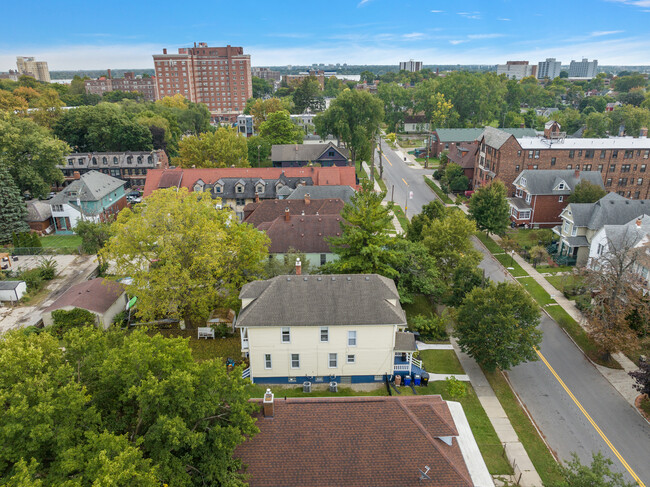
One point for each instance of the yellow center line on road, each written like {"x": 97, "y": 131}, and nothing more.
{"x": 593, "y": 423}
{"x": 405, "y": 181}
{"x": 388, "y": 160}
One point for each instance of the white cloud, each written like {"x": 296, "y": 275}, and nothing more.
{"x": 504, "y": 20}
{"x": 470, "y": 15}
{"x": 600, "y": 33}
{"x": 636, "y": 3}
{"x": 363, "y": 2}
{"x": 455, "y": 42}
{"x": 413, "y": 35}
{"x": 484, "y": 36}
{"x": 437, "y": 11}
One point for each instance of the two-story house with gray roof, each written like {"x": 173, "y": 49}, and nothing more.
{"x": 298, "y": 155}
{"x": 581, "y": 221}
{"x": 540, "y": 196}
{"x": 92, "y": 196}
{"x": 322, "y": 328}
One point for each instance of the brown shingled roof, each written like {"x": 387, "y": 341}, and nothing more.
{"x": 356, "y": 442}
{"x": 96, "y": 295}
{"x": 269, "y": 210}
{"x": 304, "y": 233}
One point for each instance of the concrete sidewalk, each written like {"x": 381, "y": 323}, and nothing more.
{"x": 620, "y": 379}
{"x": 515, "y": 452}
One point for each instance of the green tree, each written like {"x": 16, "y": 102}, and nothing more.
{"x": 626, "y": 83}
{"x": 354, "y": 118}
{"x": 223, "y": 148}
{"x": 397, "y": 102}
{"x": 537, "y": 254}
{"x": 416, "y": 270}
{"x": 497, "y": 326}
{"x": 455, "y": 177}
{"x": 259, "y": 150}
{"x": 367, "y": 76}
{"x": 64, "y": 320}
{"x": 308, "y": 95}
{"x": 13, "y": 212}
{"x": 629, "y": 117}
{"x": 466, "y": 276}
{"x": 279, "y": 129}
{"x": 185, "y": 258}
{"x": 286, "y": 264}
{"x": 94, "y": 235}
{"x": 261, "y": 87}
{"x": 597, "y": 125}
{"x": 31, "y": 154}
{"x": 431, "y": 211}
{"x": 48, "y": 108}
{"x": 490, "y": 209}
{"x": 431, "y": 327}
{"x": 586, "y": 192}
{"x": 364, "y": 244}
{"x": 261, "y": 109}
{"x": 598, "y": 474}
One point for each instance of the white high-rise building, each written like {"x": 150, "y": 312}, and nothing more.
{"x": 516, "y": 69}
{"x": 412, "y": 66}
{"x": 583, "y": 69}
{"x": 36, "y": 69}
{"x": 549, "y": 69}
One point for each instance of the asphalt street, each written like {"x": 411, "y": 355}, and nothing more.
{"x": 562, "y": 422}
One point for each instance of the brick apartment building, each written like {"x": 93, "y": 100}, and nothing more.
{"x": 106, "y": 84}
{"x": 622, "y": 161}
{"x": 131, "y": 167}
{"x": 296, "y": 79}
{"x": 219, "y": 77}
{"x": 449, "y": 139}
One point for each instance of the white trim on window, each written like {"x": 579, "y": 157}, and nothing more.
{"x": 268, "y": 364}
{"x": 351, "y": 358}
{"x": 285, "y": 333}
{"x": 295, "y": 360}
{"x": 352, "y": 338}
{"x": 332, "y": 361}
{"x": 324, "y": 333}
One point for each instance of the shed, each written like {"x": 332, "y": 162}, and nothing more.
{"x": 12, "y": 291}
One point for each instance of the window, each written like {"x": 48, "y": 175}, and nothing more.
{"x": 330, "y": 153}
{"x": 333, "y": 361}
{"x": 323, "y": 259}
{"x": 589, "y": 154}
{"x": 642, "y": 168}
{"x": 569, "y": 166}
{"x": 517, "y": 168}
{"x": 560, "y": 199}
{"x": 566, "y": 227}
{"x": 587, "y": 167}
{"x": 600, "y": 249}
{"x": 530, "y": 154}
{"x": 259, "y": 189}
{"x": 612, "y": 168}
{"x": 267, "y": 361}
{"x": 352, "y": 339}
{"x": 524, "y": 215}
{"x": 139, "y": 159}
{"x": 528, "y": 197}
{"x": 295, "y": 360}
{"x": 537, "y": 154}
{"x": 625, "y": 168}
{"x": 572, "y": 153}
{"x": 608, "y": 182}
{"x": 603, "y": 153}
{"x": 518, "y": 152}
{"x": 553, "y": 159}
{"x": 580, "y": 153}
{"x": 286, "y": 335}
{"x": 217, "y": 189}
{"x": 240, "y": 201}
{"x": 614, "y": 154}
{"x": 574, "y": 231}
{"x": 622, "y": 182}
{"x": 561, "y": 186}
{"x": 534, "y": 166}
{"x": 637, "y": 194}
{"x": 639, "y": 181}
{"x": 324, "y": 334}
{"x": 629, "y": 154}
{"x": 351, "y": 359}
{"x": 94, "y": 159}
{"x": 646, "y": 153}
{"x": 70, "y": 162}
{"x": 239, "y": 188}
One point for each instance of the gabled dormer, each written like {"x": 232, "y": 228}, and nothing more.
{"x": 198, "y": 186}
{"x": 218, "y": 186}
{"x": 260, "y": 186}
{"x": 240, "y": 186}
{"x": 562, "y": 186}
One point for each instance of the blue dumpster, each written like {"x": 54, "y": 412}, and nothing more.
{"x": 407, "y": 380}
{"x": 416, "y": 380}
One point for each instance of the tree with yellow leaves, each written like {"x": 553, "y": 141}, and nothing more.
{"x": 176, "y": 101}
{"x": 184, "y": 257}
{"x": 222, "y": 148}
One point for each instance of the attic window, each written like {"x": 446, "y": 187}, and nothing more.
{"x": 217, "y": 189}
{"x": 523, "y": 181}
{"x": 240, "y": 188}
{"x": 259, "y": 188}
{"x": 560, "y": 186}
{"x": 330, "y": 153}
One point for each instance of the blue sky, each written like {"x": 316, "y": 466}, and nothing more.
{"x": 78, "y": 34}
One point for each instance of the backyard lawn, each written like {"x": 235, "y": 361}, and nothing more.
{"x": 210, "y": 348}
{"x": 441, "y": 362}
{"x": 489, "y": 243}
{"x": 419, "y": 306}
{"x": 61, "y": 241}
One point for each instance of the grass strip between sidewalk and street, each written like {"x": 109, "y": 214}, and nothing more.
{"x": 538, "y": 293}
{"x": 439, "y": 192}
{"x": 489, "y": 243}
{"x": 511, "y": 264}
{"x": 539, "y": 454}
{"x": 401, "y": 217}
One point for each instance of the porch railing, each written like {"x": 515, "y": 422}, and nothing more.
{"x": 417, "y": 363}
{"x": 246, "y": 373}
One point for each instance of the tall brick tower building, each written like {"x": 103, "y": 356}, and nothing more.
{"x": 219, "y": 77}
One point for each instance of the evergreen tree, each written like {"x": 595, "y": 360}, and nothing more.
{"x": 13, "y": 211}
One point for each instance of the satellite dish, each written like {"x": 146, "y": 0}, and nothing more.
{"x": 423, "y": 475}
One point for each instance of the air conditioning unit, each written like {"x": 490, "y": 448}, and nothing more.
{"x": 306, "y": 387}
{"x": 334, "y": 387}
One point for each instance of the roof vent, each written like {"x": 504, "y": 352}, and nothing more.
{"x": 319, "y": 278}
{"x": 288, "y": 278}
{"x": 333, "y": 278}
{"x": 349, "y": 278}
{"x": 367, "y": 278}
{"x": 304, "y": 278}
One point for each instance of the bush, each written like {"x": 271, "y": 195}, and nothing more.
{"x": 437, "y": 174}
{"x": 65, "y": 320}
{"x": 33, "y": 279}
{"x": 120, "y": 318}
{"x": 430, "y": 327}
{"x": 47, "y": 268}
{"x": 583, "y": 302}
{"x": 445, "y": 187}
{"x": 455, "y": 388}
{"x": 458, "y": 184}
{"x": 573, "y": 288}
{"x": 222, "y": 331}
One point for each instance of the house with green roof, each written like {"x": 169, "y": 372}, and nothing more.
{"x": 448, "y": 139}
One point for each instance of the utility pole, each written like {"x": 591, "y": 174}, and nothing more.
{"x": 381, "y": 159}
{"x": 426, "y": 161}
{"x": 372, "y": 168}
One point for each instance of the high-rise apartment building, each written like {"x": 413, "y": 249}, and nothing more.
{"x": 411, "y": 66}
{"x": 219, "y": 77}
{"x": 106, "y": 84}
{"x": 35, "y": 69}
{"x": 583, "y": 69}
{"x": 516, "y": 69}
{"x": 549, "y": 69}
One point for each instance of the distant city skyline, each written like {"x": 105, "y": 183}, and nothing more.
{"x": 75, "y": 35}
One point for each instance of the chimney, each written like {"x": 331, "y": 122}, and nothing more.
{"x": 298, "y": 267}
{"x": 77, "y": 175}
{"x": 307, "y": 198}
{"x": 643, "y": 132}
{"x": 638, "y": 222}
{"x": 257, "y": 197}
{"x": 165, "y": 51}
{"x": 268, "y": 404}
{"x": 576, "y": 173}
{"x": 522, "y": 125}
{"x": 287, "y": 215}
{"x": 530, "y": 166}
{"x": 108, "y": 75}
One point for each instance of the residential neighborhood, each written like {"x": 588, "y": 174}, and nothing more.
{"x": 408, "y": 248}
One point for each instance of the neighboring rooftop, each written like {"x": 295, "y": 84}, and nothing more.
{"x": 187, "y": 178}
{"x": 468, "y": 135}
{"x": 91, "y": 186}
{"x": 621, "y": 143}
{"x": 356, "y": 442}
{"x": 96, "y": 295}
{"x": 9, "y": 285}
{"x": 630, "y": 234}
{"x": 611, "y": 209}
{"x": 358, "y": 299}
{"x": 38, "y": 211}
{"x": 304, "y": 233}
{"x": 344, "y": 193}
{"x": 269, "y": 210}
{"x": 304, "y": 152}
{"x": 547, "y": 181}
{"x": 464, "y": 155}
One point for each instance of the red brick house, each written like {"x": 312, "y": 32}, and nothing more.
{"x": 449, "y": 139}
{"x": 361, "y": 441}
{"x": 540, "y": 196}
{"x": 464, "y": 155}
{"x": 621, "y": 161}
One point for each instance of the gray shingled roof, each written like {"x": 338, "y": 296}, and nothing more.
{"x": 495, "y": 137}
{"x": 323, "y": 193}
{"x": 468, "y": 135}
{"x": 38, "y": 211}
{"x": 304, "y": 152}
{"x": 322, "y": 300}
{"x": 628, "y": 235}
{"x": 229, "y": 185}
{"x": 611, "y": 209}
{"x": 543, "y": 182}
{"x": 91, "y": 186}
{"x": 405, "y": 342}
